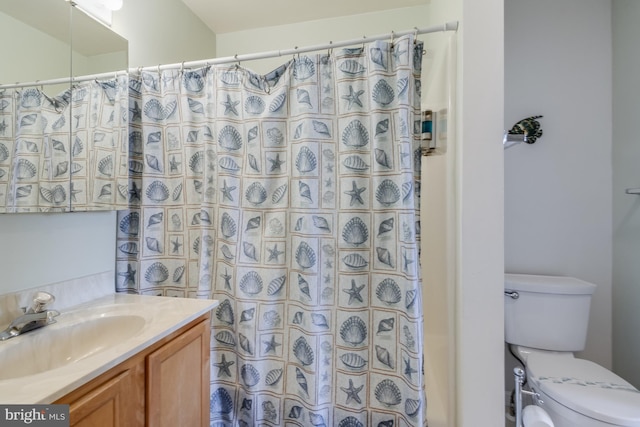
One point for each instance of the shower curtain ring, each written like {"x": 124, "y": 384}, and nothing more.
{"x": 238, "y": 61}
{"x": 330, "y": 50}
{"x": 393, "y": 36}
{"x": 415, "y": 35}
{"x": 364, "y": 40}
{"x": 158, "y": 69}
{"x": 182, "y": 67}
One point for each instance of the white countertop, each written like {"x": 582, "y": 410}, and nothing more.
{"x": 133, "y": 322}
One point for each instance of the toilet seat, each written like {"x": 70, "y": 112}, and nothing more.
{"x": 586, "y": 388}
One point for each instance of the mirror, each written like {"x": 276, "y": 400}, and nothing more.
{"x": 39, "y": 169}
{"x": 43, "y": 29}
{"x": 96, "y": 49}
{"x": 60, "y": 36}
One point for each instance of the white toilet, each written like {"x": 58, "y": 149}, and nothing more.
{"x": 546, "y": 320}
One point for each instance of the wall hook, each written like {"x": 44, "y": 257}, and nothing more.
{"x": 529, "y": 127}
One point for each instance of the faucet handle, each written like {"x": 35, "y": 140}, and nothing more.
{"x": 51, "y": 315}
{"x": 40, "y": 300}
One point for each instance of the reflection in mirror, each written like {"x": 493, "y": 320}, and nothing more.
{"x": 99, "y": 154}
{"x": 96, "y": 49}
{"x": 48, "y": 35}
{"x": 40, "y": 133}
{"x": 40, "y": 31}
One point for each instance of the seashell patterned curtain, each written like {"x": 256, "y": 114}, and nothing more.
{"x": 64, "y": 153}
{"x": 292, "y": 198}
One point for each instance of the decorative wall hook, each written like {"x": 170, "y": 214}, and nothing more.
{"x": 529, "y": 127}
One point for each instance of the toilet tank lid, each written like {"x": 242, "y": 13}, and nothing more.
{"x": 547, "y": 284}
{"x": 586, "y": 388}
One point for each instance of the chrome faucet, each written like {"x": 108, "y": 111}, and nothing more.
{"x": 34, "y": 317}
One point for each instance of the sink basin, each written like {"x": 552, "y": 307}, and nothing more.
{"x": 71, "y": 339}
{"x": 88, "y": 339}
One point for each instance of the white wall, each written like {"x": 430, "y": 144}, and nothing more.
{"x": 473, "y": 178}
{"x": 558, "y": 191}
{"x": 163, "y": 32}
{"x": 39, "y": 249}
{"x": 480, "y": 255}
{"x": 626, "y": 208}
{"x": 316, "y": 32}
{"x": 438, "y": 212}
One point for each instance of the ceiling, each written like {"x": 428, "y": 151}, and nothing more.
{"x": 225, "y": 16}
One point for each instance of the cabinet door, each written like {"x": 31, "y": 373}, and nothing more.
{"x": 118, "y": 402}
{"x": 178, "y": 380}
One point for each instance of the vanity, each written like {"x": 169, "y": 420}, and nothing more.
{"x": 118, "y": 360}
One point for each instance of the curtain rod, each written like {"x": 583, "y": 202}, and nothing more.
{"x": 448, "y": 26}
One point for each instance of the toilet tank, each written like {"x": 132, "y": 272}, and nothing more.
{"x": 549, "y": 313}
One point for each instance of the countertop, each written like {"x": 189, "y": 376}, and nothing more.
{"x": 162, "y": 316}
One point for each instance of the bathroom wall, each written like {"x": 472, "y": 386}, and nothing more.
{"x": 311, "y": 33}
{"x": 438, "y": 224}
{"x": 39, "y": 249}
{"x": 626, "y": 208}
{"x": 558, "y": 191}
{"x": 480, "y": 209}
{"x": 163, "y": 32}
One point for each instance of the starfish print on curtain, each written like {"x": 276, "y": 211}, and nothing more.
{"x": 292, "y": 198}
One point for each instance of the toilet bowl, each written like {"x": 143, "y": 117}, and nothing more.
{"x": 577, "y": 392}
{"x": 546, "y": 320}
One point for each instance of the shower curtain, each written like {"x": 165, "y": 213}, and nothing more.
{"x": 62, "y": 153}
{"x": 292, "y": 198}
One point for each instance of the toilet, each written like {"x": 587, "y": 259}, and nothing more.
{"x": 546, "y": 320}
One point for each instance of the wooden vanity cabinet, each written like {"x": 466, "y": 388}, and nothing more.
{"x": 114, "y": 399}
{"x": 178, "y": 380}
{"x": 166, "y": 384}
